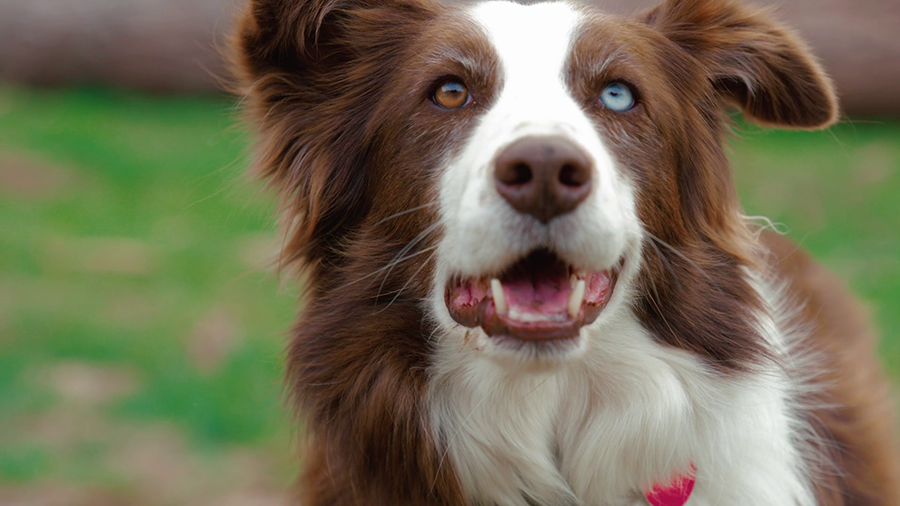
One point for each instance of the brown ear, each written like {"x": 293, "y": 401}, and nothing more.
{"x": 754, "y": 62}
{"x": 312, "y": 72}
{"x": 291, "y": 35}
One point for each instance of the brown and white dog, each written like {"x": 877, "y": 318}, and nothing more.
{"x": 529, "y": 279}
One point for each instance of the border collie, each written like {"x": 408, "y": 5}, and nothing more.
{"x": 528, "y": 277}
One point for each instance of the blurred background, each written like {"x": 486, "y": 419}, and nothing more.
{"x": 140, "y": 329}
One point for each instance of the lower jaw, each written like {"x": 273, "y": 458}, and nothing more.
{"x": 549, "y": 342}
{"x": 532, "y": 356}
{"x": 542, "y": 332}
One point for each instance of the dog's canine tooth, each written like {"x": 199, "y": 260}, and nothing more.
{"x": 576, "y": 298}
{"x": 499, "y": 297}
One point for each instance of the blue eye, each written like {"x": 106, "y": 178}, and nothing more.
{"x": 617, "y": 97}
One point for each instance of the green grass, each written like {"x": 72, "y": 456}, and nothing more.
{"x": 134, "y": 249}
{"x": 159, "y": 181}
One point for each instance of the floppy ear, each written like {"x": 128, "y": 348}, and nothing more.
{"x": 754, "y": 62}
{"x": 296, "y": 35}
{"x": 311, "y": 72}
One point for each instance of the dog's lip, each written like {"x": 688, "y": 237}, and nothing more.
{"x": 550, "y": 306}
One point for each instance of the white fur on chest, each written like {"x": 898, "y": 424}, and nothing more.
{"x": 599, "y": 431}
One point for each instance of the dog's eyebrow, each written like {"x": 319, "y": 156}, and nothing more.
{"x": 602, "y": 66}
{"x": 597, "y": 67}
{"x": 472, "y": 64}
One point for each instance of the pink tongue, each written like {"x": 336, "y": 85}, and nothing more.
{"x": 545, "y": 291}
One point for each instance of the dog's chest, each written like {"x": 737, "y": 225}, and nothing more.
{"x": 596, "y": 434}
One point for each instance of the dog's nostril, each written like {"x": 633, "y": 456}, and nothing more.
{"x": 514, "y": 175}
{"x": 520, "y": 174}
{"x": 570, "y": 175}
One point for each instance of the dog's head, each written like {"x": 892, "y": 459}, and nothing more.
{"x": 520, "y": 172}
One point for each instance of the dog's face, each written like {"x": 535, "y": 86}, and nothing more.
{"x": 519, "y": 173}
{"x": 538, "y": 211}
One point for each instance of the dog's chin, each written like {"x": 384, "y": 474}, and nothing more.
{"x": 533, "y": 313}
{"x": 516, "y": 355}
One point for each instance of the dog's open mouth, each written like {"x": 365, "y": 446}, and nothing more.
{"x": 539, "y": 298}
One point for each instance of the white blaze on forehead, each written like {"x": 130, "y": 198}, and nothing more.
{"x": 533, "y": 43}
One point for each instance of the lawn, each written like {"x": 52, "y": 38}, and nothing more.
{"x": 141, "y": 330}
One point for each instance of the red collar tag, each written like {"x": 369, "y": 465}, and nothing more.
{"x": 675, "y": 494}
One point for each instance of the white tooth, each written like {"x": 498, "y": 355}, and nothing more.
{"x": 499, "y": 297}
{"x": 576, "y": 298}
{"x": 573, "y": 279}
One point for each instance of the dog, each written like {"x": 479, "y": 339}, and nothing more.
{"x": 528, "y": 278}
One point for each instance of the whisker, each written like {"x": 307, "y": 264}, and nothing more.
{"x": 409, "y": 246}
{"x": 686, "y": 259}
{"x": 667, "y": 264}
{"x": 388, "y": 266}
{"x": 654, "y": 298}
{"x": 403, "y": 213}
{"x": 433, "y": 332}
{"x": 408, "y": 281}
{"x": 398, "y": 258}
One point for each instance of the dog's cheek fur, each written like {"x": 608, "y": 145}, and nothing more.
{"x": 313, "y": 73}
{"x": 362, "y": 396}
{"x": 709, "y": 51}
{"x": 695, "y": 245}
{"x": 318, "y": 76}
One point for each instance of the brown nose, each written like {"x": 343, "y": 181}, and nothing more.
{"x": 543, "y": 176}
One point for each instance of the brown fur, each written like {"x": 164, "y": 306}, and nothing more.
{"x": 339, "y": 91}
{"x": 357, "y": 364}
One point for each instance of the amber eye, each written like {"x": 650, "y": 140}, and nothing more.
{"x": 451, "y": 95}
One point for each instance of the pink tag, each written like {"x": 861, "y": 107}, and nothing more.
{"x": 675, "y": 494}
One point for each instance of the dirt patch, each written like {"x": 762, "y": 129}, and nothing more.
{"x": 55, "y": 494}
{"x": 213, "y": 339}
{"x": 158, "y": 465}
{"x": 100, "y": 255}
{"x": 7, "y": 299}
{"x": 132, "y": 310}
{"x": 250, "y": 498}
{"x": 141, "y": 464}
{"x": 25, "y": 176}
{"x": 89, "y": 384}
{"x": 63, "y": 427}
{"x": 874, "y": 163}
